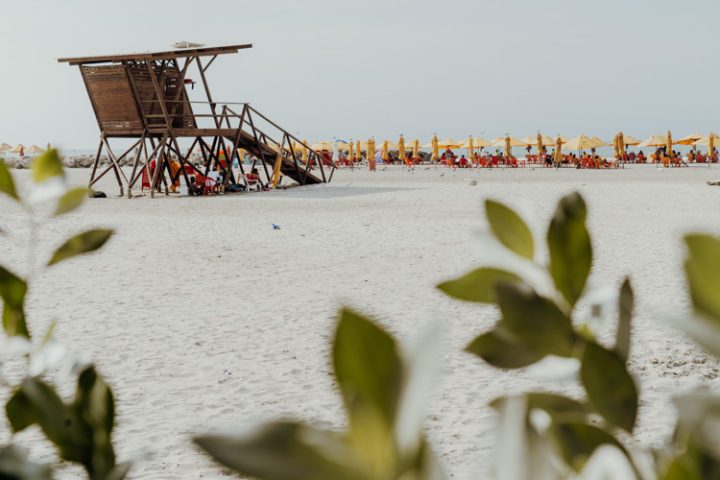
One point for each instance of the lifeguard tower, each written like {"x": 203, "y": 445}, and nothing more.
{"x": 141, "y": 102}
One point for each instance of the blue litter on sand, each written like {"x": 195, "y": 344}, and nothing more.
{"x": 276, "y": 227}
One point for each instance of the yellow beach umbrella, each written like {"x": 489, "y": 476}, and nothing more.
{"x": 449, "y": 143}
{"x": 351, "y": 150}
{"x": 304, "y": 151}
{"x": 668, "y": 144}
{"x": 558, "y": 150}
{"x": 480, "y": 142}
{"x": 581, "y": 142}
{"x": 539, "y": 144}
{"x": 385, "y": 153}
{"x": 629, "y": 141}
{"x": 371, "y": 148}
{"x": 705, "y": 141}
{"x": 711, "y": 147}
{"x": 358, "y": 150}
{"x": 532, "y": 140}
{"x": 514, "y": 142}
{"x": 401, "y": 149}
{"x": 435, "y": 148}
{"x": 653, "y": 141}
{"x": 690, "y": 139}
{"x": 477, "y": 142}
{"x": 470, "y": 145}
{"x": 322, "y": 146}
{"x": 34, "y": 149}
{"x": 416, "y": 148}
{"x": 621, "y": 142}
{"x": 600, "y": 143}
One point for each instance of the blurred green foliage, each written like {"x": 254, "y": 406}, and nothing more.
{"x": 81, "y": 429}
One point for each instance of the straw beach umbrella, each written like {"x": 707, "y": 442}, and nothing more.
{"x": 690, "y": 139}
{"x": 539, "y": 145}
{"x": 449, "y": 143}
{"x": 705, "y": 141}
{"x": 34, "y": 150}
{"x": 581, "y": 142}
{"x": 435, "y": 148}
{"x": 558, "y": 150}
{"x": 629, "y": 141}
{"x": 415, "y": 148}
{"x": 514, "y": 142}
{"x": 304, "y": 151}
{"x": 669, "y": 145}
{"x": 19, "y": 149}
{"x": 708, "y": 141}
{"x": 652, "y": 141}
{"x": 322, "y": 146}
{"x": 600, "y": 143}
{"x": 532, "y": 140}
{"x": 5, "y": 148}
{"x": 401, "y": 149}
{"x": 711, "y": 147}
{"x": 480, "y": 142}
{"x": 470, "y": 145}
{"x": 621, "y": 142}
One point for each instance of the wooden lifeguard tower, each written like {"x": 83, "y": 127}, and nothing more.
{"x": 141, "y": 101}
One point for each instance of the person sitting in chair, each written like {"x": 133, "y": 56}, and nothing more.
{"x": 194, "y": 188}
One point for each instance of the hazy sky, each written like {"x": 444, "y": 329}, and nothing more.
{"x": 356, "y": 68}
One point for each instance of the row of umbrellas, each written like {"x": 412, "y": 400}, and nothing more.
{"x": 31, "y": 150}
{"x": 581, "y": 142}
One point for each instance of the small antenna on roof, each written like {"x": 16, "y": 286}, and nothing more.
{"x": 186, "y": 44}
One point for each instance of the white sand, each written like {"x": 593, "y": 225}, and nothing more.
{"x": 202, "y": 316}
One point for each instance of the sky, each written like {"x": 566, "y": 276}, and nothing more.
{"x": 328, "y": 69}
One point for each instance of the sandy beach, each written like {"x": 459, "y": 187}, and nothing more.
{"x": 202, "y": 316}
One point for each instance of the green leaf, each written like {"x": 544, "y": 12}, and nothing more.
{"x": 367, "y": 366}
{"x": 20, "y": 412}
{"x": 577, "y": 441}
{"x": 570, "y": 247}
{"x": 7, "y": 185}
{"x": 625, "y": 311}
{"x": 703, "y": 274}
{"x": 47, "y": 165}
{"x": 84, "y": 243}
{"x": 94, "y": 404}
{"x": 536, "y": 320}
{"x": 501, "y": 349}
{"x": 284, "y": 451}
{"x": 609, "y": 386}
{"x": 59, "y": 423}
{"x": 71, "y": 200}
{"x": 14, "y": 465}
{"x": 13, "y": 290}
{"x": 510, "y": 229}
{"x": 478, "y": 285}
{"x": 80, "y": 430}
